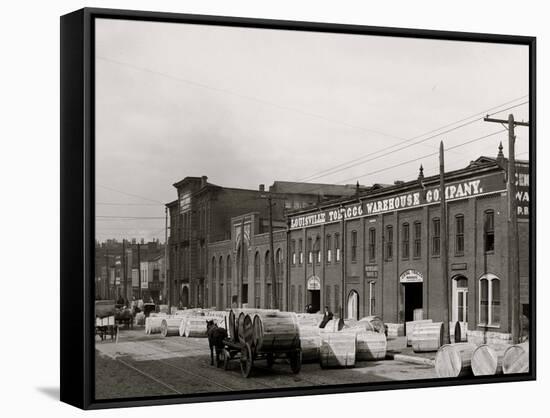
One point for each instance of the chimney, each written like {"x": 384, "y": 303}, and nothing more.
{"x": 262, "y": 187}
{"x": 398, "y": 182}
{"x": 203, "y": 181}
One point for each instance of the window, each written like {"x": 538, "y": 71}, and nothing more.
{"x": 489, "y": 231}
{"x": 353, "y": 246}
{"x": 309, "y": 251}
{"x": 389, "y": 243}
{"x": 293, "y": 251}
{"x": 337, "y": 246}
{"x": 300, "y": 251}
{"x": 436, "y": 236}
{"x": 229, "y": 289}
{"x": 417, "y": 239}
{"x": 213, "y": 281}
{"x": 372, "y": 245}
{"x": 489, "y": 301}
{"x": 267, "y": 267}
{"x": 220, "y": 290}
{"x": 257, "y": 267}
{"x": 372, "y": 298}
{"x": 257, "y": 295}
{"x": 459, "y": 235}
{"x": 317, "y": 249}
{"x": 405, "y": 245}
{"x": 337, "y": 299}
{"x": 328, "y": 246}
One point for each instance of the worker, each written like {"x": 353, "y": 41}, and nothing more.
{"x": 327, "y": 316}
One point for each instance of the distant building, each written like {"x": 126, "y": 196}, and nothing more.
{"x": 202, "y": 214}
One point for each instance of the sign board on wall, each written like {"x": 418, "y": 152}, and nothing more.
{"x": 314, "y": 283}
{"x": 466, "y": 189}
{"x": 411, "y": 276}
{"x": 522, "y": 190}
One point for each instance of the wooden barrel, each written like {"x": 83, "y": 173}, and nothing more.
{"x": 375, "y": 322}
{"x": 487, "y": 360}
{"x": 183, "y": 326}
{"x": 309, "y": 319}
{"x": 427, "y": 337}
{"x": 411, "y": 325}
{"x": 277, "y": 331}
{"x": 170, "y": 326}
{"x": 459, "y": 331}
{"x": 337, "y": 349}
{"x": 195, "y": 327}
{"x": 516, "y": 359}
{"x": 331, "y": 326}
{"x": 454, "y": 360}
{"x": 311, "y": 346}
{"x": 154, "y": 324}
{"x": 418, "y": 314}
{"x": 370, "y": 346}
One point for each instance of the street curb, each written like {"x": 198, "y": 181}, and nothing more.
{"x": 411, "y": 359}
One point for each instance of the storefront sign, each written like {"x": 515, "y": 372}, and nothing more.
{"x": 314, "y": 283}
{"x": 492, "y": 183}
{"x": 411, "y": 276}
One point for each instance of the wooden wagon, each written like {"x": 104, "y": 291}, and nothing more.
{"x": 105, "y": 324}
{"x": 262, "y": 335}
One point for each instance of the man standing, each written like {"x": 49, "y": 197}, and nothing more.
{"x": 328, "y": 315}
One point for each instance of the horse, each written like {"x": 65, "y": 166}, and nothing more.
{"x": 216, "y": 335}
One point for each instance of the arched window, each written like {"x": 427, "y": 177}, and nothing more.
{"x": 279, "y": 273}
{"x": 460, "y": 299}
{"x": 257, "y": 266}
{"x": 489, "y": 300}
{"x": 229, "y": 288}
{"x": 214, "y": 287}
{"x": 267, "y": 276}
{"x": 405, "y": 243}
{"x": 328, "y": 247}
{"x": 489, "y": 230}
{"x": 220, "y": 268}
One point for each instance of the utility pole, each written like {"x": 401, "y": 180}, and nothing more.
{"x": 240, "y": 278}
{"x": 107, "y": 276}
{"x": 343, "y": 263}
{"x": 444, "y": 247}
{"x": 272, "y": 254}
{"x": 167, "y": 289}
{"x": 139, "y": 269}
{"x": 513, "y": 248}
{"x": 125, "y": 284}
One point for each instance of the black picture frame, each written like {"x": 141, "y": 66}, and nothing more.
{"x": 77, "y": 203}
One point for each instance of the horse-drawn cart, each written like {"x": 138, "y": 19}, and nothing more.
{"x": 105, "y": 323}
{"x": 262, "y": 335}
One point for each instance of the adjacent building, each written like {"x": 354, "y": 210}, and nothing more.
{"x": 379, "y": 253}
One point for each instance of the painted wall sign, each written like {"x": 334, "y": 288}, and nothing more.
{"x": 314, "y": 283}
{"x": 411, "y": 276}
{"x": 522, "y": 190}
{"x": 492, "y": 183}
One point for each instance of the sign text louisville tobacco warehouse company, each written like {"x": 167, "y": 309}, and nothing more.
{"x": 424, "y": 196}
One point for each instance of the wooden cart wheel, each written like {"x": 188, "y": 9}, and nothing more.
{"x": 296, "y": 361}
{"x": 226, "y": 358}
{"x": 247, "y": 360}
{"x": 270, "y": 360}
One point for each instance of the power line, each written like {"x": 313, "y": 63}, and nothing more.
{"x": 247, "y": 97}
{"x": 410, "y": 161}
{"x": 427, "y": 155}
{"x": 130, "y": 194}
{"x": 357, "y": 161}
{"x": 127, "y": 204}
{"x": 114, "y": 217}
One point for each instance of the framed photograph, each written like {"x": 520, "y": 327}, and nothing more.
{"x": 259, "y": 208}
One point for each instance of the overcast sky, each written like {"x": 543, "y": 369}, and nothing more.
{"x": 251, "y": 106}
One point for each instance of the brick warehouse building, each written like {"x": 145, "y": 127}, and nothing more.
{"x": 378, "y": 253}
{"x": 203, "y": 214}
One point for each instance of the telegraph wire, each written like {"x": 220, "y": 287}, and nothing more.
{"x": 131, "y": 194}
{"x": 357, "y": 161}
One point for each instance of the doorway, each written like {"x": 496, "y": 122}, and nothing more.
{"x": 413, "y": 299}
{"x": 314, "y": 299}
{"x": 460, "y": 299}
{"x": 185, "y": 296}
{"x": 353, "y": 305}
